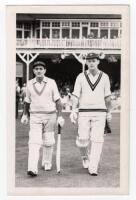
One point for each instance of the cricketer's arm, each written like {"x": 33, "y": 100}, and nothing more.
{"x": 108, "y": 105}
{"x": 73, "y": 114}
{"x": 24, "y": 119}
{"x": 75, "y": 102}
{"x": 59, "y": 107}
{"x": 26, "y": 109}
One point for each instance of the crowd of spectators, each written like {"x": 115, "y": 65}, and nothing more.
{"x": 93, "y": 35}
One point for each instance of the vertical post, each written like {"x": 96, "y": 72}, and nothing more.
{"x": 60, "y": 31}
{"x": 27, "y": 68}
{"x": 23, "y": 32}
{"x": 108, "y": 33}
{"x": 40, "y": 30}
{"x": 80, "y": 31}
{"x": 50, "y": 32}
{"x": 99, "y": 30}
{"x": 70, "y": 33}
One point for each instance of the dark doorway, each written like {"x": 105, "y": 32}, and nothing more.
{"x": 84, "y": 32}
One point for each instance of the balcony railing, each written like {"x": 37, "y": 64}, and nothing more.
{"x": 69, "y": 43}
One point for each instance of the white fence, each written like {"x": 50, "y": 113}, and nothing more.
{"x": 69, "y": 43}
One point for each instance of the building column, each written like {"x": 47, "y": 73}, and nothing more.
{"x": 40, "y": 30}
{"x": 108, "y": 33}
{"x": 27, "y": 58}
{"x": 81, "y": 59}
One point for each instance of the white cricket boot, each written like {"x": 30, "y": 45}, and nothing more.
{"x": 85, "y": 162}
{"x": 47, "y": 166}
{"x": 84, "y": 155}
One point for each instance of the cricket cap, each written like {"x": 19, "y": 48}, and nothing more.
{"x": 92, "y": 56}
{"x": 39, "y": 63}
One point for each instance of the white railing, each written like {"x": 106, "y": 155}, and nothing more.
{"x": 69, "y": 43}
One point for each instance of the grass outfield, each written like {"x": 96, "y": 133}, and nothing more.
{"x": 72, "y": 173}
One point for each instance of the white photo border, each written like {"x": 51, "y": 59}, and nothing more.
{"x": 127, "y": 86}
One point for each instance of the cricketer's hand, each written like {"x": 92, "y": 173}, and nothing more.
{"x": 73, "y": 117}
{"x": 60, "y": 121}
{"x": 24, "y": 119}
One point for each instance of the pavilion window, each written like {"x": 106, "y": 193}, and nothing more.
{"x": 65, "y": 33}
{"x": 104, "y": 24}
{"x": 75, "y": 33}
{"x": 55, "y": 33}
{"x": 45, "y": 24}
{"x": 45, "y": 33}
{"x": 65, "y": 24}
{"x": 84, "y": 23}
{"x": 55, "y": 24}
{"x": 19, "y": 25}
{"x": 27, "y": 34}
{"x": 94, "y": 33}
{"x": 113, "y": 33}
{"x": 114, "y": 24}
{"x": 104, "y": 33}
{"x": 19, "y": 34}
{"x": 75, "y": 24}
{"x": 94, "y": 24}
{"x": 27, "y": 26}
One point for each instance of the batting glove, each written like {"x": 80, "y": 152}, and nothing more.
{"x": 109, "y": 116}
{"x": 73, "y": 116}
{"x": 24, "y": 119}
{"x": 60, "y": 121}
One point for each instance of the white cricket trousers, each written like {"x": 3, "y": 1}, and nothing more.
{"x": 91, "y": 131}
{"x": 42, "y": 127}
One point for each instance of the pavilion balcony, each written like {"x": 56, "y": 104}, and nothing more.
{"x": 113, "y": 44}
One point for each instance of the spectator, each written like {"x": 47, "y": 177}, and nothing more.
{"x": 67, "y": 100}
{"x": 17, "y": 97}
{"x": 23, "y": 92}
{"x": 91, "y": 35}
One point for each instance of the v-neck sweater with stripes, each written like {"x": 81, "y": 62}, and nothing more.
{"x": 92, "y": 93}
{"x": 42, "y": 100}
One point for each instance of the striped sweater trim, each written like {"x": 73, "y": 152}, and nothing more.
{"x": 92, "y": 110}
{"x": 93, "y": 86}
{"x": 37, "y": 92}
{"x": 43, "y": 112}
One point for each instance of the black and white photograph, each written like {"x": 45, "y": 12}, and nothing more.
{"x": 69, "y": 94}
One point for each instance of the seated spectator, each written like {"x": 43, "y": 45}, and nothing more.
{"x": 104, "y": 37}
{"x": 91, "y": 35}
{"x": 67, "y": 100}
{"x": 23, "y": 92}
{"x": 17, "y": 97}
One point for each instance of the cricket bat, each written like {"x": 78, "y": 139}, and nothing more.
{"x": 58, "y": 154}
